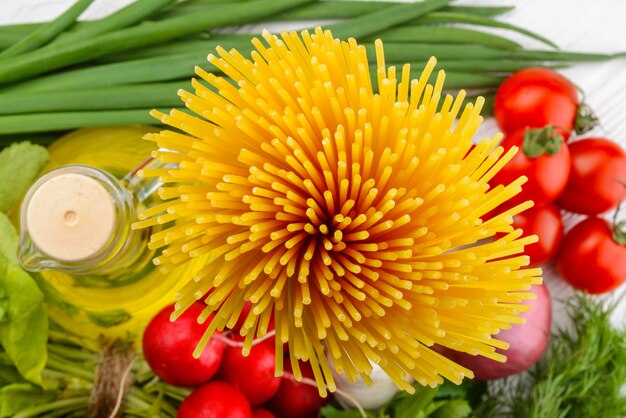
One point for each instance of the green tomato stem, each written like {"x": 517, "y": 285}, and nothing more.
{"x": 541, "y": 141}
{"x": 619, "y": 227}
{"x": 586, "y": 119}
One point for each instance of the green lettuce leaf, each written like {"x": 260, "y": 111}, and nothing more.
{"x": 330, "y": 411}
{"x": 417, "y": 405}
{"x": 17, "y": 397}
{"x": 8, "y": 240}
{"x": 24, "y": 320}
{"x": 19, "y": 166}
{"x": 455, "y": 408}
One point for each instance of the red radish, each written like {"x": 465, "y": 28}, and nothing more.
{"x": 242, "y": 317}
{"x": 168, "y": 348}
{"x": 215, "y": 400}
{"x": 247, "y": 307}
{"x": 296, "y": 399}
{"x": 527, "y": 342}
{"x": 262, "y": 413}
{"x": 252, "y": 375}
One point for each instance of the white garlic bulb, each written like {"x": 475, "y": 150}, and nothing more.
{"x": 368, "y": 396}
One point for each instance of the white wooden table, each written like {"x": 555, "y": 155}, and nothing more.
{"x": 596, "y": 26}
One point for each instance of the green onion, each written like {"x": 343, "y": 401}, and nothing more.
{"x": 210, "y": 2}
{"x": 170, "y": 67}
{"x": 46, "y": 32}
{"x": 175, "y": 47}
{"x": 53, "y": 57}
{"x": 160, "y": 95}
{"x": 404, "y": 52}
{"x": 22, "y": 29}
{"x": 62, "y": 121}
{"x": 159, "y": 68}
{"x": 9, "y": 36}
{"x": 446, "y": 17}
{"x": 562, "y": 56}
{"x": 133, "y": 13}
{"x": 491, "y": 66}
{"x": 454, "y": 80}
{"x": 342, "y": 9}
{"x": 130, "y": 15}
{"x": 447, "y": 35}
{"x": 109, "y": 98}
{"x": 374, "y": 22}
{"x": 487, "y": 11}
{"x": 315, "y": 11}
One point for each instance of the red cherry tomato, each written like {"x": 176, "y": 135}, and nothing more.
{"x": 590, "y": 259}
{"x": 252, "y": 375}
{"x": 546, "y": 223}
{"x": 296, "y": 399}
{"x": 597, "y": 178}
{"x": 215, "y": 400}
{"x": 535, "y": 98}
{"x": 547, "y": 174}
{"x": 168, "y": 348}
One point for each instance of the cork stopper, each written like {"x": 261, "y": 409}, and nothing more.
{"x": 71, "y": 217}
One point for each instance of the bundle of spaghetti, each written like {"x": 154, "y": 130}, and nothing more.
{"x": 356, "y": 217}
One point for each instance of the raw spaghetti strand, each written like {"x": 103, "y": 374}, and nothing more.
{"x": 357, "y": 220}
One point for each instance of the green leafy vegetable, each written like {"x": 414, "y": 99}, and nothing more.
{"x": 9, "y": 374}
{"x": 16, "y": 397}
{"x": 19, "y": 166}
{"x": 8, "y": 242}
{"x": 25, "y": 333}
{"x": 24, "y": 329}
{"x": 417, "y": 405}
{"x": 455, "y": 408}
{"x": 330, "y": 411}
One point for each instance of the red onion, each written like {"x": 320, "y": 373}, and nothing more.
{"x": 527, "y": 342}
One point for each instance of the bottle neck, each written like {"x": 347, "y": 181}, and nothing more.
{"x": 77, "y": 219}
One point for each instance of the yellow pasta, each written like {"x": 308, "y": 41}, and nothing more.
{"x": 357, "y": 219}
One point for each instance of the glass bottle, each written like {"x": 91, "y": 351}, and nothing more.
{"x": 111, "y": 294}
{"x": 77, "y": 219}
